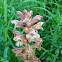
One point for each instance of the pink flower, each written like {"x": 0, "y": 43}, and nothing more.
{"x": 32, "y": 34}
{"x": 19, "y": 38}
{"x": 38, "y": 26}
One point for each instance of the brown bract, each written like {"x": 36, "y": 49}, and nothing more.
{"x": 27, "y": 24}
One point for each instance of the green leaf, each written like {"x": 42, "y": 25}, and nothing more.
{"x": 5, "y": 52}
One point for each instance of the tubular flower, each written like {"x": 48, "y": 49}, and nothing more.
{"x": 31, "y": 35}
{"x": 19, "y": 40}
{"x": 27, "y": 24}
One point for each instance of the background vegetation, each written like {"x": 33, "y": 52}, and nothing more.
{"x": 51, "y": 49}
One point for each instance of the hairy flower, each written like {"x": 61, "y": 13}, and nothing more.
{"x": 38, "y": 26}
{"x": 19, "y": 40}
{"x": 32, "y": 34}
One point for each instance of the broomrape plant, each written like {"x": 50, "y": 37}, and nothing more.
{"x": 27, "y": 24}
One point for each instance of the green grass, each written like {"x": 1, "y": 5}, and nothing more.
{"x": 51, "y": 10}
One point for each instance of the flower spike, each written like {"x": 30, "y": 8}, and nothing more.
{"x": 27, "y": 24}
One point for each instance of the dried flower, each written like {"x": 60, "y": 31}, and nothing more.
{"x": 26, "y": 23}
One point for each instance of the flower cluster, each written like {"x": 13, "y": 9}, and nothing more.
{"x": 27, "y": 24}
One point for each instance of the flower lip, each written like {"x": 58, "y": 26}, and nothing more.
{"x": 19, "y": 40}
{"x": 19, "y": 43}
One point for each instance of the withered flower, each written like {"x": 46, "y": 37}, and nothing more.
{"x": 26, "y": 23}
